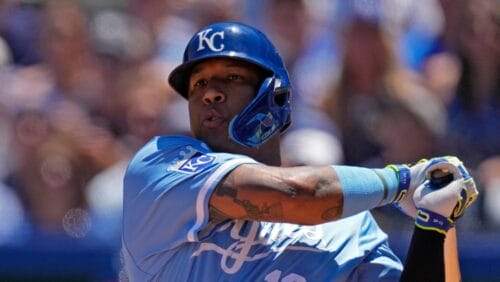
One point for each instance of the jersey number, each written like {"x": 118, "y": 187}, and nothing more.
{"x": 276, "y": 275}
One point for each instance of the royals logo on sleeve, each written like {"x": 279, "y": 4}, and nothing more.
{"x": 191, "y": 161}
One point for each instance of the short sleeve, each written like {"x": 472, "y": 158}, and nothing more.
{"x": 167, "y": 187}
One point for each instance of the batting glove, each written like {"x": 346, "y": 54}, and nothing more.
{"x": 438, "y": 209}
{"x": 422, "y": 171}
{"x": 409, "y": 178}
{"x": 452, "y": 165}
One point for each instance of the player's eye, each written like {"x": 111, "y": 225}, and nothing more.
{"x": 200, "y": 83}
{"x": 235, "y": 77}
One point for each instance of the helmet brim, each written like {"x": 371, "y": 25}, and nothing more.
{"x": 179, "y": 77}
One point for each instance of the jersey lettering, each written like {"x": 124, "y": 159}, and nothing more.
{"x": 236, "y": 254}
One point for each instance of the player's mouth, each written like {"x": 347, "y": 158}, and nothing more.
{"x": 213, "y": 119}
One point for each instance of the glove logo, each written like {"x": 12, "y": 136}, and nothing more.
{"x": 423, "y": 216}
{"x": 209, "y": 40}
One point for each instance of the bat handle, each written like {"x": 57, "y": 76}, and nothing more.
{"x": 440, "y": 178}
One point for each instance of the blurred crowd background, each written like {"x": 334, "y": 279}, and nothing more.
{"x": 83, "y": 85}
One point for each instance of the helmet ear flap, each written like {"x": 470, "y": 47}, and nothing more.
{"x": 266, "y": 115}
{"x": 281, "y": 96}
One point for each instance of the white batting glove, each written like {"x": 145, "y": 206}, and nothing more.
{"x": 404, "y": 199}
{"x": 447, "y": 164}
{"x": 438, "y": 209}
{"x": 454, "y": 166}
{"x": 423, "y": 170}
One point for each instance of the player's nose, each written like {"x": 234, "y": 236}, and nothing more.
{"x": 213, "y": 95}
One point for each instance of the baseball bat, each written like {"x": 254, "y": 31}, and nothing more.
{"x": 440, "y": 178}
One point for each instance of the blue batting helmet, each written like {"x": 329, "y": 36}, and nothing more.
{"x": 269, "y": 112}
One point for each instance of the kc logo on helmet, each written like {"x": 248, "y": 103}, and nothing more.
{"x": 205, "y": 39}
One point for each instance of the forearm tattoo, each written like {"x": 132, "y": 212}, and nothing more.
{"x": 304, "y": 195}
{"x": 268, "y": 211}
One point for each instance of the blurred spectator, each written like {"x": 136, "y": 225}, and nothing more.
{"x": 351, "y": 102}
{"x": 120, "y": 42}
{"x": 143, "y": 98}
{"x": 408, "y": 128}
{"x": 415, "y": 27}
{"x": 67, "y": 55}
{"x": 50, "y": 184}
{"x": 370, "y": 75}
{"x": 167, "y": 26}
{"x": 440, "y": 73}
{"x": 55, "y": 157}
{"x": 172, "y": 22}
{"x": 120, "y": 36}
{"x": 203, "y": 12}
{"x": 474, "y": 113}
{"x": 29, "y": 130}
{"x": 307, "y": 45}
{"x": 66, "y": 88}
{"x": 20, "y": 27}
{"x": 90, "y": 134}
{"x": 144, "y": 102}
{"x": 290, "y": 36}
{"x": 489, "y": 177}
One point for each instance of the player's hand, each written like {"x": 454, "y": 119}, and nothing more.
{"x": 423, "y": 170}
{"x": 417, "y": 176}
{"x": 452, "y": 165}
{"x": 438, "y": 208}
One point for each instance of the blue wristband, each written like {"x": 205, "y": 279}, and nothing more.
{"x": 429, "y": 220}
{"x": 365, "y": 188}
{"x": 404, "y": 178}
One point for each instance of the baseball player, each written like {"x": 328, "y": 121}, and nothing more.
{"x": 218, "y": 207}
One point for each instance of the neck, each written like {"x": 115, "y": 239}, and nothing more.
{"x": 269, "y": 153}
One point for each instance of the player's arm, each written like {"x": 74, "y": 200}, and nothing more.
{"x": 451, "y": 263}
{"x": 425, "y": 258}
{"x": 304, "y": 195}
{"x": 312, "y": 195}
{"x": 307, "y": 195}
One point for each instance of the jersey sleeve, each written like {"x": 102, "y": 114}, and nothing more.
{"x": 167, "y": 187}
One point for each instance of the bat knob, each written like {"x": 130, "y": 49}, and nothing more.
{"x": 440, "y": 178}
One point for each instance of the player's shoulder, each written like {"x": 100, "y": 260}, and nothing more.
{"x": 174, "y": 142}
{"x": 164, "y": 148}
{"x": 168, "y": 144}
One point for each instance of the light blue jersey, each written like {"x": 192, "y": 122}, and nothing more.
{"x": 168, "y": 237}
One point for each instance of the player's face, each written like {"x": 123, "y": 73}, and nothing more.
{"x": 218, "y": 90}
